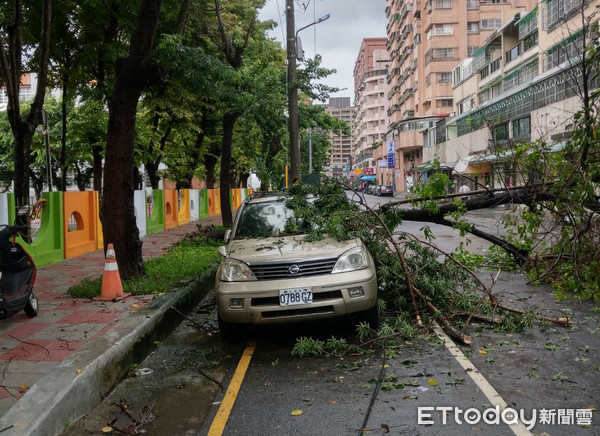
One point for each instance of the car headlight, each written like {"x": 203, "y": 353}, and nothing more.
{"x": 233, "y": 270}
{"x": 352, "y": 260}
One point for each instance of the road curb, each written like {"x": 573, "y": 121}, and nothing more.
{"x": 63, "y": 395}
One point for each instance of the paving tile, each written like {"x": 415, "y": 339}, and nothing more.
{"x": 78, "y": 332}
{"x": 51, "y": 316}
{"x": 72, "y": 304}
{"x": 25, "y": 330}
{"x": 88, "y": 316}
{"x": 6, "y": 326}
{"x": 7, "y": 344}
{"x": 4, "y": 393}
{"x": 34, "y": 349}
{"x": 6, "y": 403}
{"x": 66, "y": 344}
{"x": 26, "y": 367}
{"x": 14, "y": 383}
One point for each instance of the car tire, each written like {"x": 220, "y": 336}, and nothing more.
{"x": 33, "y": 305}
{"x": 369, "y": 316}
{"x": 231, "y": 332}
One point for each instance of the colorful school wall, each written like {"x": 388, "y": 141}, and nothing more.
{"x": 68, "y": 223}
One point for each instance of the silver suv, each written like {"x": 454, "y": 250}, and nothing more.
{"x": 270, "y": 274}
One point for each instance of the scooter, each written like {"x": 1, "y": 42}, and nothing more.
{"x": 17, "y": 275}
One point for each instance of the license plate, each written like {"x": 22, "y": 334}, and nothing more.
{"x": 292, "y": 297}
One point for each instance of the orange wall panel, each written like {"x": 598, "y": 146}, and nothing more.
{"x": 80, "y": 222}
{"x": 170, "y": 202}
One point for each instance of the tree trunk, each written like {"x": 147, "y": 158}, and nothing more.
{"x": 97, "y": 168}
{"x": 210, "y": 162}
{"x": 152, "y": 169}
{"x": 244, "y": 180}
{"x": 229, "y": 120}
{"x": 516, "y": 196}
{"x": 63, "y": 139}
{"x": 119, "y": 222}
{"x": 11, "y": 60}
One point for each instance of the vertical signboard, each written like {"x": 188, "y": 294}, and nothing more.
{"x": 390, "y": 154}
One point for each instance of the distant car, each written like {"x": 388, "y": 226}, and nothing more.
{"x": 270, "y": 274}
{"x": 371, "y": 189}
{"x": 385, "y": 190}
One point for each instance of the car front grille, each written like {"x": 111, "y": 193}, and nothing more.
{"x": 272, "y": 271}
{"x": 298, "y": 312}
{"x": 317, "y": 296}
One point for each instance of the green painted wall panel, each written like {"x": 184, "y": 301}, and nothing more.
{"x": 203, "y": 198}
{"x": 156, "y": 222}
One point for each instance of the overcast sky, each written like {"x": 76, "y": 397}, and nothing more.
{"x": 337, "y": 39}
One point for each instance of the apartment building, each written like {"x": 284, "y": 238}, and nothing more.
{"x": 426, "y": 40}
{"x": 521, "y": 85}
{"x": 26, "y": 90}
{"x": 370, "y": 118}
{"x": 340, "y": 154}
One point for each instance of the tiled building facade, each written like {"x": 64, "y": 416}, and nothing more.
{"x": 370, "y": 107}
{"x": 522, "y": 85}
{"x": 426, "y": 40}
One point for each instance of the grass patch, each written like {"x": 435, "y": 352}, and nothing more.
{"x": 184, "y": 260}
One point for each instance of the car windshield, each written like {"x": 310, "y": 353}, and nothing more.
{"x": 268, "y": 219}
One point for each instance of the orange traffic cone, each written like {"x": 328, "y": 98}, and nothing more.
{"x": 112, "y": 289}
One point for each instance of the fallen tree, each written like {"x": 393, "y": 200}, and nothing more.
{"x": 414, "y": 284}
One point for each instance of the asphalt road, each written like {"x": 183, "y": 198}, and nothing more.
{"x": 554, "y": 368}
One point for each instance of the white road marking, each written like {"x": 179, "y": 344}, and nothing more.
{"x": 488, "y": 390}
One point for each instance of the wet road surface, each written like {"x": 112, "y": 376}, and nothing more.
{"x": 545, "y": 367}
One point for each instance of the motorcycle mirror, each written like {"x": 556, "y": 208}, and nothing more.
{"x": 23, "y": 210}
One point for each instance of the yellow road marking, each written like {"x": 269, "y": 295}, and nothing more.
{"x": 218, "y": 425}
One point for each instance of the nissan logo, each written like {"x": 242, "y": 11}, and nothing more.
{"x": 294, "y": 269}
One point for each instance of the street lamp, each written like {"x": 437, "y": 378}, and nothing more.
{"x": 292, "y": 36}
{"x": 299, "y": 51}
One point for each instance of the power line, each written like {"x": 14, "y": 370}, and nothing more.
{"x": 281, "y": 24}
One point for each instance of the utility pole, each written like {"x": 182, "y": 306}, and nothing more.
{"x": 295, "y": 169}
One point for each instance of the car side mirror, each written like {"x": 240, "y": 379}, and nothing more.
{"x": 222, "y": 251}
{"x": 227, "y": 235}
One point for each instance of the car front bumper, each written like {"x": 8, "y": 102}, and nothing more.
{"x": 330, "y": 298}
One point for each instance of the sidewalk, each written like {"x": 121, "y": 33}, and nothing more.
{"x": 31, "y": 347}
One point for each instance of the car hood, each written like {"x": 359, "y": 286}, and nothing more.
{"x": 288, "y": 248}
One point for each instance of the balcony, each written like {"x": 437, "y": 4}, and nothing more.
{"x": 490, "y": 68}
{"x": 495, "y": 65}
{"x": 408, "y": 114}
{"x": 512, "y": 54}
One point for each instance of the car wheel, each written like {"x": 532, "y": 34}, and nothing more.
{"x": 369, "y": 316}
{"x": 231, "y": 332}
{"x": 32, "y": 307}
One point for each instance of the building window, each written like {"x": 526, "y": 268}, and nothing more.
{"x": 444, "y": 77}
{"x": 521, "y": 127}
{"x": 441, "y": 54}
{"x": 473, "y": 27}
{"x": 530, "y": 41}
{"x": 428, "y": 80}
{"x": 471, "y": 50}
{"x": 571, "y": 47}
{"x": 446, "y": 102}
{"x": 443, "y": 4}
{"x": 557, "y": 11}
{"x": 501, "y": 132}
{"x": 491, "y": 24}
{"x": 443, "y": 29}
